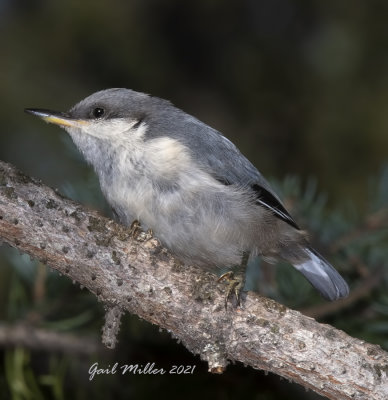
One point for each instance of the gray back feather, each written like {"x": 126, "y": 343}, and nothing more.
{"x": 209, "y": 148}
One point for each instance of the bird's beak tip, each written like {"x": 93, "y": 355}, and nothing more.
{"x": 32, "y": 111}
{"x": 53, "y": 117}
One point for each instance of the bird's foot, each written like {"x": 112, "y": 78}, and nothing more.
{"x": 235, "y": 286}
{"x": 138, "y": 234}
{"x": 135, "y": 228}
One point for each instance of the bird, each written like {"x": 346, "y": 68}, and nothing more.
{"x": 189, "y": 184}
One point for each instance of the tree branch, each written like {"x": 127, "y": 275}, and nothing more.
{"x": 23, "y": 334}
{"x": 137, "y": 275}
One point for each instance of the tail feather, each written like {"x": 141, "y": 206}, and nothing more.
{"x": 323, "y": 276}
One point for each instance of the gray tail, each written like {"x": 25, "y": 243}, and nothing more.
{"x": 323, "y": 276}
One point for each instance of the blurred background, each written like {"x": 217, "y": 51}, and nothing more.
{"x": 301, "y": 87}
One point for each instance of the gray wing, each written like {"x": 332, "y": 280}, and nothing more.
{"x": 225, "y": 163}
{"x": 218, "y": 155}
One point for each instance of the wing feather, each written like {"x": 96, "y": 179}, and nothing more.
{"x": 221, "y": 159}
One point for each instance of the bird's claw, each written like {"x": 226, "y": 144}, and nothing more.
{"x": 135, "y": 228}
{"x": 235, "y": 286}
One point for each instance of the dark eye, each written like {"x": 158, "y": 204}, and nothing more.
{"x": 98, "y": 112}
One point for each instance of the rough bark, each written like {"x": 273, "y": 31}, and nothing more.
{"x": 136, "y": 274}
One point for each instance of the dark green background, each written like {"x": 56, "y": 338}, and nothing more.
{"x": 301, "y": 87}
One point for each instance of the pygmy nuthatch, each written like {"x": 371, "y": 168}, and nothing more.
{"x": 189, "y": 184}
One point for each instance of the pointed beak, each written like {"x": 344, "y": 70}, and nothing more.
{"x": 55, "y": 117}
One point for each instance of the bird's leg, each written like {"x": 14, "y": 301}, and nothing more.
{"x": 138, "y": 234}
{"x": 236, "y": 281}
{"x": 135, "y": 228}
